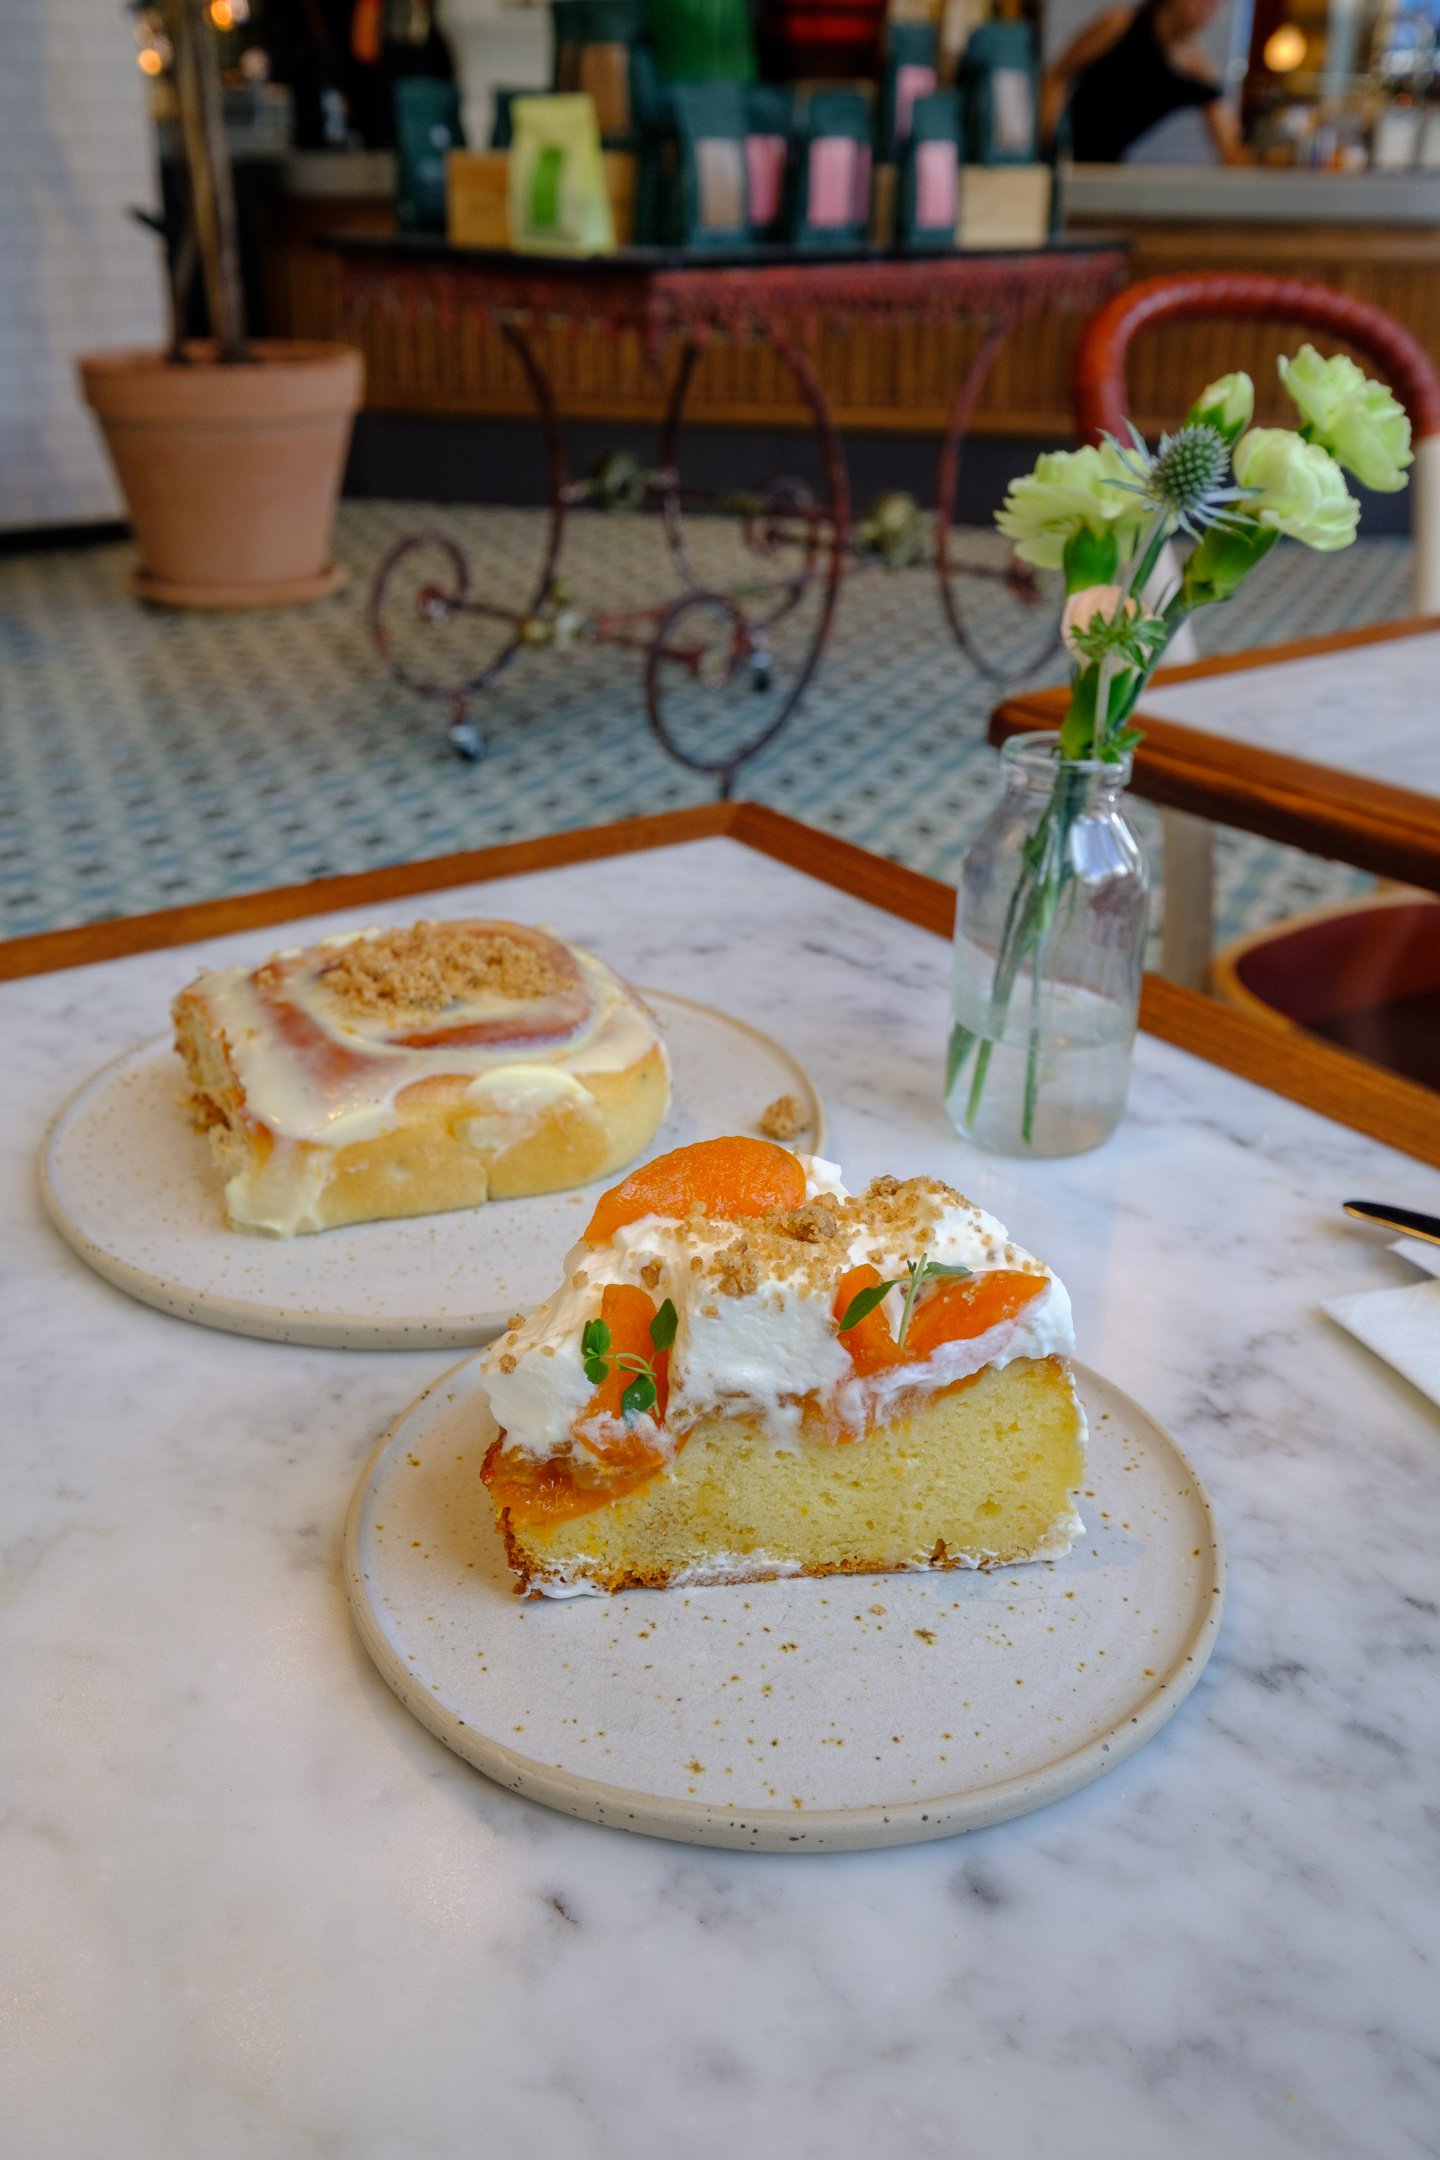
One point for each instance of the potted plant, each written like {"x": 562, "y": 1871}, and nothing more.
{"x": 229, "y": 450}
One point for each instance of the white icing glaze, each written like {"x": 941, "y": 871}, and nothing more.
{"x": 282, "y": 1196}
{"x": 515, "y": 1101}
{"x": 288, "y": 1091}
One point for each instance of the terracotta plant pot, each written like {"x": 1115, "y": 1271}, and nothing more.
{"x": 231, "y": 474}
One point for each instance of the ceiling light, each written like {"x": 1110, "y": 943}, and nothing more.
{"x": 1285, "y": 49}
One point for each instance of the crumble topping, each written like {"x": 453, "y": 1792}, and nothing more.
{"x": 783, "y": 1118}
{"x": 736, "y": 1268}
{"x": 810, "y": 1223}
{"x": 809, "y": 1245}
{"x": 430, "y": 966}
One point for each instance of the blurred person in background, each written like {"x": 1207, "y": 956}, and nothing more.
{"x": 1128, "y": 70}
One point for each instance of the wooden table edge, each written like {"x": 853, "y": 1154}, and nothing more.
{"x": 1327, "y": 641}
{"x": 1392, "y": 831}
{"x": 1343, "y": 1088}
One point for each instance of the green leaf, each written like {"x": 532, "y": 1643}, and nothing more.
{"x": 597, "y": 1372}
{"x": 596, "y": 1339}
{"x": 1090, "y": 558}
{"x": 639, "y": 1397}
{"x": 1223, "y": 560}
{"x": 865, "y": 1302}
{"x": 933, "y": 1269}
{"x": 663, "y": 1326}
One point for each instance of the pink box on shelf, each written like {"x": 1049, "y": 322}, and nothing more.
{"x": 765, "y": 175}
{"x": 910, "y": 83}
{"x": 834, "y": 160}
{"x": 937, "y": 186}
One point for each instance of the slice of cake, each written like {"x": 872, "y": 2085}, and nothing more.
{"x": 749, "y": 1373}
{"x": 401, "y": 1072}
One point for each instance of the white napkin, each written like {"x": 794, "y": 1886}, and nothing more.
{"x": 1402, "y": 1326}
{"x": 1419, "y": 1252}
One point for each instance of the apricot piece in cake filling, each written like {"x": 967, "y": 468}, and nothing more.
{"x": 951, "y": 1312}
{"x": 729, "y": 1178}
{"x": 538, "y": 1495}
{"x": 958, "y": 1311}
{"x": 621, "y": 1454}
{"x": 870, "y": 1343}
{"x": 627, "y": 1314}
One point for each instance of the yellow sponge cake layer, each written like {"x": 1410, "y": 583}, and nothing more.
{"x": 979, "y": 1475}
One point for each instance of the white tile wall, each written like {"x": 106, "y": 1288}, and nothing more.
{"x": 76, "y": 272}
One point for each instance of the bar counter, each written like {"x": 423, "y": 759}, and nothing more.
{"x": 1373, "y": 234}
{"x": 1248, "y": 195}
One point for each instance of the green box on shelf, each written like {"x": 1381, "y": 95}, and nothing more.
{"x": 427, "y": 128}
{"x": 734, "y": 141}
{"x": 910, "y": 73}
{"x": 929, "y": 206}
{"x": 830, "y": 173}
{"x": 710, "y": 120}
{"x": 999, "y": 95}
{"x": 769, "y": 131}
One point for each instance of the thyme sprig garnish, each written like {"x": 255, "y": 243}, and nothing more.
{"x": 600, "y": 1360}
{"x": 917, "y": 1272}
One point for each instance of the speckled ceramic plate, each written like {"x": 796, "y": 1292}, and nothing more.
{"x": 129, "y": 1183}
{"x": 800, "y": 1716}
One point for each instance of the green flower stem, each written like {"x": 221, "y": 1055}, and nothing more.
{"x": 1102, "y": 702}
{"x": 1032, "y": 1048}
{"x": 1032, "y": 911}
{"x": 1146, "y": 555}
{"x": 1000, "y": 989}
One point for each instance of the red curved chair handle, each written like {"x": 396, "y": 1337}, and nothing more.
{"x": 1099, "y": 378}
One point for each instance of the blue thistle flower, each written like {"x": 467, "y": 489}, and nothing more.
{"x": 1183, "y": 479}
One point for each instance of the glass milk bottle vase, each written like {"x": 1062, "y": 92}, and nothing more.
{"x": 1049, "y": 949}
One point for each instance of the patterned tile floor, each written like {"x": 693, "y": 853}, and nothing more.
{"x": 152, "y": 757}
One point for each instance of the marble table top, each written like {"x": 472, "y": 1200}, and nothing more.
{"x": 252, "y": 1908}
{"x": 1368, "y": 709}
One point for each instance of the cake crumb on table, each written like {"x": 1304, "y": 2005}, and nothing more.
{"x": 783, "y": 1118}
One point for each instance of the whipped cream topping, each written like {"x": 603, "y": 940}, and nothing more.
{"x": 318, "y": 1072}
{"x": 756, "y": 1335}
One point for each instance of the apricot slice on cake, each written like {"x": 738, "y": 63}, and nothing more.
{"x": 627, "y": 1314}
{"x": 729, "y": 1178}
{"x": 870, "y": 1343}
{"x": 958, "y": 1311}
